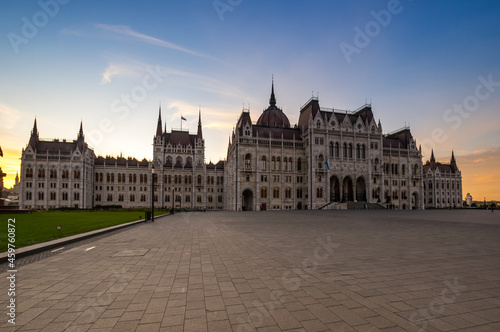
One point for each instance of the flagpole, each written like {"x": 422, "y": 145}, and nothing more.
{"x": 181, "y": 122}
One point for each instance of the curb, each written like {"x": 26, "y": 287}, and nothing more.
{"x": 39, "y": 247}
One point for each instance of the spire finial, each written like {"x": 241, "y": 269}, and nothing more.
{"x": 158, "y": 126}
{"x": 80, "y": 132}
{"x": 432, "y": 156}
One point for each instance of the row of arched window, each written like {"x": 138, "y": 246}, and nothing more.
{"x": 275, "y": 164}
{"x": 394, "y": 169}
{"x": 179, "y": 161}
{"x": 347, "y": 150}
{"x": 443, "y": 182}
{"x": 52, "y": 196}
{"x": 276, "y": 192}
{"x": 52, "y": 173}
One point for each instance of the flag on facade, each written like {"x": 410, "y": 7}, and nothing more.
{"x": 183, "y": 118}
{"x": 327, "y": 166}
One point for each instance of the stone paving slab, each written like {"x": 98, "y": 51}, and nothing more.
{"x": 272, "y": 271}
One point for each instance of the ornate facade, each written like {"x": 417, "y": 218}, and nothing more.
{"x": 442, "y": 184}
{"x": 329, "y": 158}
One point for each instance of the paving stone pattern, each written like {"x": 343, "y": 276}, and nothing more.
{"x": 272, "y": 271}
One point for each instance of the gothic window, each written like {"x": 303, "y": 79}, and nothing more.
{"x": 332, "y": 124}
{"x": 247, "y": 131}
{"x": 403, "y": 169}
{"x": 219, "y": 198}
{"x": 285, "y": 163}
{"x": 349, "y": 150}
{"x": 76, "y": 174}
{"x": 273, "y": 160}
{"x": 169, "y": 160}
{"x": 358, "y": 151}
{"x": 319, "y": 192}
{"x": 320, "y": 161}
{"x": 363, "y": 152}
{"x": 345, "y": 150}
{"x": 288, "y": 193}
{"x": 278, "y": 163}
{"x": 199, "y": 180}
{"x": 290, "y": 161}
{"x": 264, "y": 162}
{"x": 276, "y": 193}
{"x": 198, "y": 199}
{"x": 41, "y": 172}
{"x": 299, "y": 192}
{"x": 132, "y": 197}
{"x": 330, "y": 149}
{"x": 53, "y": 174}
{"x": 299, "y": 164}
{"x": 318, "y": 124}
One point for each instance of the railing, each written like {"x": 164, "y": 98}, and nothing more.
{"x": 398, "y": 130}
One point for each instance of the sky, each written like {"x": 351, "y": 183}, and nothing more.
{"x": 432, "y": 65}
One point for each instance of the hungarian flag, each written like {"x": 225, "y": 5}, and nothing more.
{"x": 327, "y": 166}
{"x": 183, "y": 118}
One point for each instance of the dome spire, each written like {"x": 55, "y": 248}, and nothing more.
{"x": 272, "y": 100}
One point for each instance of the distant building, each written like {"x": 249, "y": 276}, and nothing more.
{"x": 468, "y": 199}
{"x": 442, "y": 184}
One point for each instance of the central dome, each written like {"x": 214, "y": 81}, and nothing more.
{"x": 273, "y": 116}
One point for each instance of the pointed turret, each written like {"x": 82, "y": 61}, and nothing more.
{"x": 158, "y": 127}
{"x": 34, "y": 137}
{"x": 433, "y": 160}
{"x": 199, "y": 134}
{"x": 80, "y": 132}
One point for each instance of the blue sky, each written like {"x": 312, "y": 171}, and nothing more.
{"x": 414, "y": 64}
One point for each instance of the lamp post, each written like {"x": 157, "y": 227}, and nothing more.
{"x": 152, "y": 193}
{"x": 485, "y": 203}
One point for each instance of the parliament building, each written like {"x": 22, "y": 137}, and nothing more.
{"x": 330, "y": 159}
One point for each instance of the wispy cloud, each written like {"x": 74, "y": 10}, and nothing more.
{"x": 127, "y": 31}
{"x": 115, "y": 69}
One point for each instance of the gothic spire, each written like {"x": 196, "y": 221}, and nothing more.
{"x": 199, "y": 134}
{"x": 80, "y": 132}
{"x": 433, "y": 160}
{"x": 158, "y": 127}
{"x": 34, "y": 137}
{"x": 272, "y": 100}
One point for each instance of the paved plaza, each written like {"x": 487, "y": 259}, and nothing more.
{"x": 272, "y": 271}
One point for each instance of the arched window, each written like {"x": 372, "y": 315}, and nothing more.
{"x": 273, "y": 161}
{"x": 263, "y": 192}
{"x": 288, "y": 193}
{"x": 278, "y": 163}
{"x": 319, "y": 192}
{"x": 290, "y": 161}
{"x": 318, "y": 124}
{"x": 285, "y": 163}
{"x": 345, "y": 150}
{"x": 430, "y": 185}
{"x": 276, "y": 193}
{"x": 337, "y": 152}
{"x": 349, "y": 150}
{"x": 403, "y": 169}
{"x": 248, "y": 161}
{"x": 330, "y": 148}
{"x": 299, "y": 164}
{"x": 199, "y": 180}
{"x": 264, "y": 160}
{"x": 169, "y": 161}
{"x": 358, "y": 151}
{"x": 363, "y": 152}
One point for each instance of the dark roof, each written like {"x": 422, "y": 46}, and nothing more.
{"x": 53, "y": 147}
{"x": 176, "y": 137}
{"x": 398, "y": 139}
{"x": 273, "y": 117}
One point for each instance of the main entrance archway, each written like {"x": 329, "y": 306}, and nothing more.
{"x": 247, "y": 200}
{"x": 334, "y": 189}
{"x": 348, "y": 189}
{"x": 360, "y": 190}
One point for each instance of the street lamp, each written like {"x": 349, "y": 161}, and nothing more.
{"x": 152, "y": 193}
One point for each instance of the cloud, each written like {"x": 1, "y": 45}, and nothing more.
{"x": 114, "y": 69}
{"x": 10, "y": 116}
{"x": 127, "y": 31}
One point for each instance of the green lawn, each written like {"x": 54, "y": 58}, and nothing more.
{"x": 42, "y": 226}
